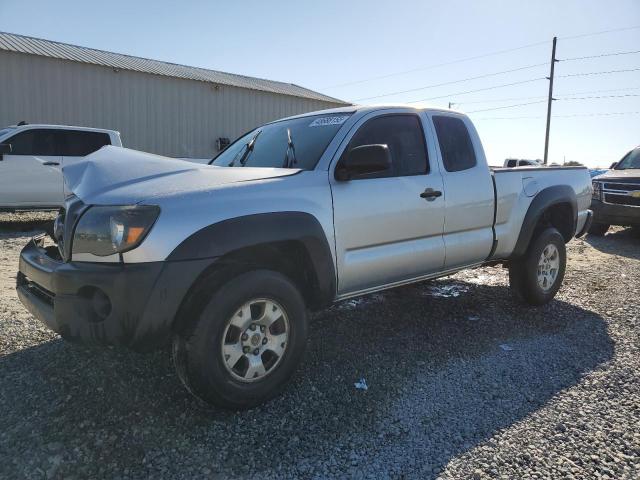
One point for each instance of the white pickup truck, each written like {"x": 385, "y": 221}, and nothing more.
{"x": 226, "y": 260}
{"x": 31, "y": 159}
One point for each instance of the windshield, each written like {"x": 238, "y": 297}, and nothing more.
{"x": 630, "y": 160}
{"x": 295, "y": 143}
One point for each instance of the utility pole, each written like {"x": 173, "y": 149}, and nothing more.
{"x": 550, "y": 78}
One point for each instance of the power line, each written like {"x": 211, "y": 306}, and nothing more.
{"x": 521, "y": 82}
{"x": 606, "y": 114}
{"x": 559, "y": 98}
{"x": 602, "y": 32}
{"x": 436, "y": 65}
{"x": 583, "y": 74}
{"x": 475, "y": 57}
{"x": 486, "y": 75}
{"x": 580, "y": 74}
{"x": 614, "y": 54}
{"x": 507, "y": 106}
{"x": 497, "y": 100}
{"x": 510, "y": 99}
{"x": 599, "y": 96}
{"x": 480, "y": 89}
{"x": 601, "y": 91}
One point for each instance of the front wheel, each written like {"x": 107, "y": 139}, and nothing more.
{"x": 246, "y": 342}
{"x": 537, "y": 276}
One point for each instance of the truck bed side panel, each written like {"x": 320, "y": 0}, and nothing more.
{"x": 515, "y": 190}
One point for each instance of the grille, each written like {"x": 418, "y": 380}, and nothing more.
{"x": 622, "y": 186}
{"x": 620, "y": 192}
{"x": 622, "y": 200}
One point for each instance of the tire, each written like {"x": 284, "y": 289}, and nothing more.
{"x": 219, "y": 329}
{"x": 598, "y": 229}
{"x": 523, "y": 272}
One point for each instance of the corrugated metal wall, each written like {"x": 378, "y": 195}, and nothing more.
{"x": 168, "y": 116}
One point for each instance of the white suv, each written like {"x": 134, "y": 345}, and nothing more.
{"x": 32, "y": 157}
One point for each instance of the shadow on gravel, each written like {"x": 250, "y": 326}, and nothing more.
{"x": 624, "y": 242}
{"x": 439, "y": 384}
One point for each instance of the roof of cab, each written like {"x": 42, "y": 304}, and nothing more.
{"x": 372, "y": 108}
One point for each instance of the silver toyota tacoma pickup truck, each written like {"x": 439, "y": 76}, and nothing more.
{"x": 226, "y": 260}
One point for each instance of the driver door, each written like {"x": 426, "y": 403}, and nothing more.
{"x": 387, "y": 231}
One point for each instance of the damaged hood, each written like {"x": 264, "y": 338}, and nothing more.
{"x": 115, "y": 175}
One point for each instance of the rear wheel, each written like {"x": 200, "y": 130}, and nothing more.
{"x": 537, "y": 276}
{"x": 598, "y": 229}
{"x": 246, "y": 343}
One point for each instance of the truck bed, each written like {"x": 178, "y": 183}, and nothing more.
{"x": 516, "y": 189}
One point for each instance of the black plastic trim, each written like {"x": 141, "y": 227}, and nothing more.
{"x": 257, "y": 230}
{"x": 144, "y": 297}
{"x": 545, "y": 199}
{"x": 587, "y": 224}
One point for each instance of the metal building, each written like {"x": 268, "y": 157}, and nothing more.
{"x": 158, "y": 107}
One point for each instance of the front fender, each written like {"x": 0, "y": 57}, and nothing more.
{"x": 227, "y": 236}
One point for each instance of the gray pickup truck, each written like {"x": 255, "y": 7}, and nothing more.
{"x": 226, "y": 260}
{"x": 616, "y": 195}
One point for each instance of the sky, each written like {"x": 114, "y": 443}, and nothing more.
{"x": 363, "y": 51}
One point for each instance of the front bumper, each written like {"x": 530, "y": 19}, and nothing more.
{"x": 133, "y": 305}
{"x": 612, "y": 214}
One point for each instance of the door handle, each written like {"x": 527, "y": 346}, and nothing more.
{"x": 430, "y": 194}
{"x": 49, "y": 164}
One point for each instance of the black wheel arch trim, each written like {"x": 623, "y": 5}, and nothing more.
{"x": 264, "y": 229}
{"x": 545, "y": 199}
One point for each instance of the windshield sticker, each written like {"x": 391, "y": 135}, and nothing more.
{"x": 327, "y": 121}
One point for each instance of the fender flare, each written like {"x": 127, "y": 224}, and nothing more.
{"x": 545, "y": 199}
{"x": 227, "y": 236}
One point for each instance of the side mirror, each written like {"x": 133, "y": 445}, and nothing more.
{"x": 613, "y": 165}
{"x": 5, "y": 149}
{"x": 363, "y": 160}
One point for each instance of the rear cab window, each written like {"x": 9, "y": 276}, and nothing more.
{"x": 455, "y": 143}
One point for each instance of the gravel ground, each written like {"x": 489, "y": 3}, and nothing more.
{"x": 463, "y": 383}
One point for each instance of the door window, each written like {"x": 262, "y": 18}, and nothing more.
{"x": 403, "y": 135}
{"x": 35, "y": 142}
{"x": 455, "y": 143}
{"x": 76, "y": 143}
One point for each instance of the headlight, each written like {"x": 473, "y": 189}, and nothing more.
{"x": 597, "y": 190}
{"x": 104, "y": 231}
